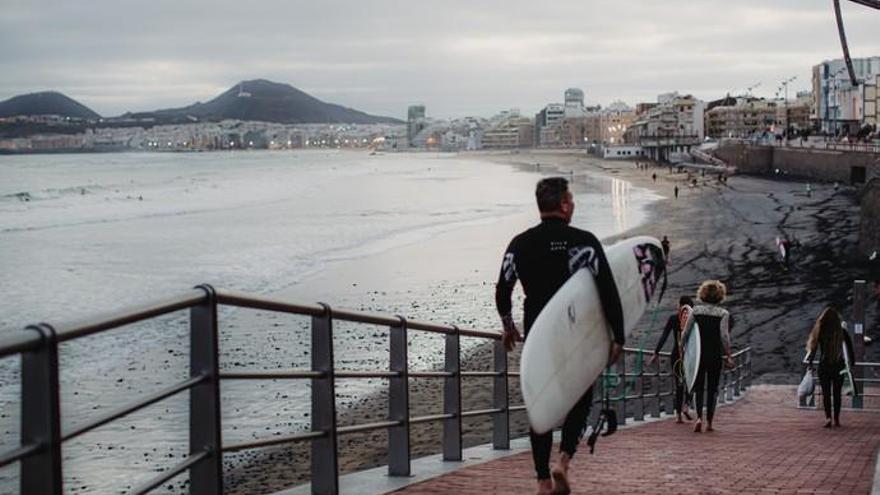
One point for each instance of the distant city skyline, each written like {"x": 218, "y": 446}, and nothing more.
{"x": 381, "y": 57}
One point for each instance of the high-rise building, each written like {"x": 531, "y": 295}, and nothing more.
{"x": 415, "y": 123}
{"x": 838, "y": 105}
{"x": 574, "y": 103}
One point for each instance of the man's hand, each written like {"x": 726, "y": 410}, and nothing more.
{"x": 614, "y": 353}
{"x": 729, "y": 364}
{"x": 510, "y": 334}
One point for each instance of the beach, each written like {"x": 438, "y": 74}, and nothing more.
{"x": 717, "y": 230}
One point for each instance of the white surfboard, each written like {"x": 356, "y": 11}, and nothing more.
{"x": 568, "y": 343}
{"x": 691, "y": 357}
{"x": 781, "y": 247}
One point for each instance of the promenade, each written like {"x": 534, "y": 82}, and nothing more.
{"x": 762, "y": 444}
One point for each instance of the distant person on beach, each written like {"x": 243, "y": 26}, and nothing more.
{"x": 676, "y": 192}
{"x": 542, "y": 259}
{"x": 665, "y": 244}
{"x": 654, "y": 177}
{"x": 829, "y": 337}
{"x": 673, "y": 326}
{"x": 714, "y": 322}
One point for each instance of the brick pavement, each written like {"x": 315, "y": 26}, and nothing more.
{"x": 762, "y": 445}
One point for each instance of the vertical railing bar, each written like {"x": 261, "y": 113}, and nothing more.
{"x": 398, "y": 402}
{"x": 501, "y": 399}
{"x": 658, "y": 388}
{"x": 206, "y": 476}
{"x": 860, "y": 289}
{"x": 41, "y": 415}
{"x": 452, "y": 398}
{"x": 325, "y": 467}
{"x": 641, "y": 378}
{"x": 621, "y": 415}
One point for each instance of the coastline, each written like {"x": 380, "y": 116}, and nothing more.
{"x": 724, "y": 231}
{"x": 482, "y": 245}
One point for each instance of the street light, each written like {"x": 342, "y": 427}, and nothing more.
{"x": 785, "y": 84}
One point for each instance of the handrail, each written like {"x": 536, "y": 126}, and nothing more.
{"x": 41, "y": 460}
{"x": 12, "y": 342}
{"x": 134, "y": 314}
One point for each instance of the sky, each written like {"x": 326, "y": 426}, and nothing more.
{"x": 458, "y": 58}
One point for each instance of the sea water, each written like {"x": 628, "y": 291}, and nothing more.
{"x": 87, "y": 234}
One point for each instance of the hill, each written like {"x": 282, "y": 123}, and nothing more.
{"x": 46, "y": 103}
{"x": 267, "y": 101}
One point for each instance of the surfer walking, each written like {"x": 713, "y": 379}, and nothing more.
{"x": 714, "y": 323}
{"x": 829, "y": 337}
{"x": 673, "y": 326}
{"x": 543, "y": 258}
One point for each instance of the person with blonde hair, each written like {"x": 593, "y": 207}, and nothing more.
{"x": 829, "y": 336}
{"x": 714, "y": 323}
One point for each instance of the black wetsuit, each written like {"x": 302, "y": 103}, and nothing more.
{"x": 831, "y": 363}
{"x": 542, "y": 259}
{"x": 714, "y": 339}
{"x": 673, "y": 327}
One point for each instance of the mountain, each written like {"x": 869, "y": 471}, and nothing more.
{"x": 46, "y": 103}
{"x": 267, "y": 101}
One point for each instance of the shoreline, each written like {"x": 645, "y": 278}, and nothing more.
{"x": 723, "y": 231}
{"x": 272, "y": 467}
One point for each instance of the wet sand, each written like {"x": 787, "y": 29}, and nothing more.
{"x": 724, "y": 231}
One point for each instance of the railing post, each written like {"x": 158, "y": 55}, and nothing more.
{"x": 621, "y": 389}
{"x": 452, "y": 399}
{"x": 655, "y": 408}
{"x": 398, "y": 403}
{"x": 325, "y": 469}
{"x": 639, "y": 408}
{"x": 860, "y": 293}
{"x": 41, "y": 415}
{"x": 501, "y": 400}
{"x": 206, "y": 477}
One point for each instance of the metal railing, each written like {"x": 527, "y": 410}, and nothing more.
{"x": 656, "y": 388}
{"x": 39, "y": 453}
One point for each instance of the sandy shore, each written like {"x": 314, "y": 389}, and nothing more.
{"x": 724, "y": 231}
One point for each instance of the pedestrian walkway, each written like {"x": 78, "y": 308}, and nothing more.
{"x": 762, "y": 444}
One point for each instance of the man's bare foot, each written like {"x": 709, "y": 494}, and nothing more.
{"x": 828, "y": 423}
{"x": 837, "y": 423}
{"x": 545, "y": 487}
{"x": 698, "y": 426}
{"x": 560, "y": 481}
{"x": 709, "y": 426}
{"x": 560, "y": 475}
{"x": 679, "y": 420}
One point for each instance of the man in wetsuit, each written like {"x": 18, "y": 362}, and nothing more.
{"x": 542, "y": 259}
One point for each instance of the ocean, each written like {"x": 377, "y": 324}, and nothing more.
{"x": 86, "y": 234}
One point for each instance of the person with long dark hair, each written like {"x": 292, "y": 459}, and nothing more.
{"x": 714, "y": 323}
{"x": 830, "y": 338}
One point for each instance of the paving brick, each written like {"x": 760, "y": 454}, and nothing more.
{"x": 762, "y": 444}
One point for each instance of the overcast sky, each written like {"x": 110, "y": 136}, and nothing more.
{"x": 457, "y": 57}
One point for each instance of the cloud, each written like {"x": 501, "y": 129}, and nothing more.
{"x": 458, "y": 58}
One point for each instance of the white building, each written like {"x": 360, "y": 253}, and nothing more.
{"x": 840, "y": 106}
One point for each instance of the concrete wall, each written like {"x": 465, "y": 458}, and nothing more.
{"x": 810, "y": 164}
{"x": 869, "y": 238}
{"x": 819, "y": 166}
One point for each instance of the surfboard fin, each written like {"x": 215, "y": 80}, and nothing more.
{"x": 611, "y": 419}
{"x": 608, "y": 421}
